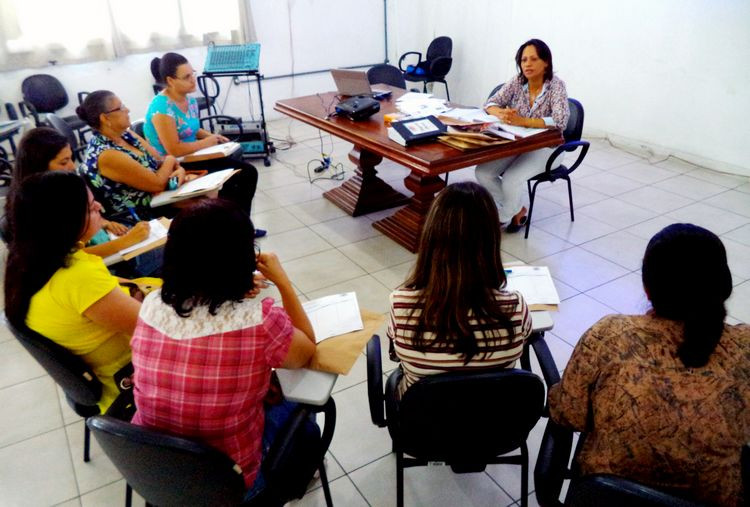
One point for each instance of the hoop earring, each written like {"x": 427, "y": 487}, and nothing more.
{"x": 80, "y": 245}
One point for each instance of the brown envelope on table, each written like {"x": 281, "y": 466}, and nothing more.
{"x": 339, "y": 353}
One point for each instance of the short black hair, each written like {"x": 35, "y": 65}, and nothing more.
{"x": 544, "y": 53}
{"x": 93, "y": 106}
{"x": 209, "y": 257}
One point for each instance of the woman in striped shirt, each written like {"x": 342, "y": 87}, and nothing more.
{"x": 453, "y": 313}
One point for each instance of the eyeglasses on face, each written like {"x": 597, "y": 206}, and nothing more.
{"x": 188, "y": 77}
{"x": 122, "y": 107}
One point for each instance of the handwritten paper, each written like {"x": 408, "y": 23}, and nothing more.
{"x": 334, "y": 315}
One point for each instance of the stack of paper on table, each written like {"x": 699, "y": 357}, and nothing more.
{"x": 199, "y": 186}
{"x": 341, "y": 329}
{"x": 535, "y": 284}
{"x": 216, "y": 151}
{"x": 464, "y": 141}
{"x": 420, "y": 104}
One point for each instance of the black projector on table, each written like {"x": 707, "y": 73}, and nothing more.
{"x": 358, "y": 108}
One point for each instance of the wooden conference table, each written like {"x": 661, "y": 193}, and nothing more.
{"x": 365, "y": 192}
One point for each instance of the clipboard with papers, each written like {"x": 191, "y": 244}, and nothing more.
{"x": 212, "y": 152}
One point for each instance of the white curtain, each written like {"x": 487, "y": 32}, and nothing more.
{"x": 36, "y": 32}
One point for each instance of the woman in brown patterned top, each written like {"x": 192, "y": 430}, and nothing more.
{"x": 664, "y": 398}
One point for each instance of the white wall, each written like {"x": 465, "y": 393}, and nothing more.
{"x": 669, "y": 76}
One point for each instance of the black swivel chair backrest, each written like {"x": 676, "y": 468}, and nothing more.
{"x": 168, "y": 470}
{"x": 386, "y": 74}
{"x": 137, "y": 127}
{"x": 459, "y": 417}
{"x": 65, "y": 129}
{"x": 46, "y": 93}
{"x": 612, "y": 491}
{"x": 69, "y": 371}
{"x": 574, "y": 128}
{"x": 440, "y": 48}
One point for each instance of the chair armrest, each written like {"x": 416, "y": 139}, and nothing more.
{"x": 375, "y": 381}
{"x": 28, "y": 109}
{"x": 569, "y": 147}
{"x": 440, "y": 66}
{"x": 419, "y": 60}
{"x": 552, "y": 464}
{"x": 550, "y": 372}
{"x": 82, "y": 96}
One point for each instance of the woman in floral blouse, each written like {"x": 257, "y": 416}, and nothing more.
{"x": 123, "y": 169}
{"x": 664, "y": 398}
{"x": 534, "y": 98}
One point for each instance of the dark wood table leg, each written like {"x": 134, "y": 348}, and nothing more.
{"x": 405, "y": 226}
{"x": 364, "y": 192}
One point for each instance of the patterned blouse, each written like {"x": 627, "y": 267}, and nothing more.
{"x": 117, "y": 197}
{"x": 497, "y": 351}
{"x": 551, "y": 105}
{"x": 187, "y": 123}
{"x": 651, "y": 419}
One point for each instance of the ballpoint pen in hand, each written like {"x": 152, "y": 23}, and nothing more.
{"x": 133, "y": 214}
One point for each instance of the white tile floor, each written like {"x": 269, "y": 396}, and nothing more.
{"x": 621, "y": 200}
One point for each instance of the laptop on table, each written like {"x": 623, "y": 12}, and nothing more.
{"x": 354, "y": 82}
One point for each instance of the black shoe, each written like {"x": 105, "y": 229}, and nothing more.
{"x": 516, "y": 227}
{"x": 259, "y": 233}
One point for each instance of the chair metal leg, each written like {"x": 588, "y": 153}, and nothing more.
{"x": 86, "y": 442}
{"x": 524, "y": 475}
{"x": 128, "y": 495}
{"x": 532, "y": 194}
{"x": 447, "y": 93}
{"x": 424, "y": 86}
{"x": 324, "y": 483}
{"x": 399, "y": 479}
{"x": 570, "y": 199}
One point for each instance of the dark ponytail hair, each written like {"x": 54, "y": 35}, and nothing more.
{"x": 49, "y": 214}
{"x": 168, "y": 65}
{"x": 673, "y": 257}
{"x": 94, "y": 105}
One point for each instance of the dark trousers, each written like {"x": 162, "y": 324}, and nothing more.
{"x": 240, "y": 188}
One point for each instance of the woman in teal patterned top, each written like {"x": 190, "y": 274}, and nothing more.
{"x": 123, "y": 169}
{"x": 173, "y": 127}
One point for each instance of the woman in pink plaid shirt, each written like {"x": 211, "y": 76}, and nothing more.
{"x": 204, "y": 346}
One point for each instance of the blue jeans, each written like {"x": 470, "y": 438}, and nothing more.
{"x": 276, "y": 417}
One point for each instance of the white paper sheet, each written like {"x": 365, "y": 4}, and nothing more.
{"x": 334, "y": 315}
{"x": 534, "y": 283}
{"x": 157, "y": 232}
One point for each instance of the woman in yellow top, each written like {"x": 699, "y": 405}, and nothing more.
{"x": 55, "y": 288}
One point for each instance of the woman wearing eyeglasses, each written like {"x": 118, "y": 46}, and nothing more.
{"x": 173, "y": 128}
{"x": 122, "y": 168}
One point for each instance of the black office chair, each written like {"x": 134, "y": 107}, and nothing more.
{"x": 434, "y": 67}
{"x": 572, "y": 135}
{"x": 169, "y": 470}
{"x": 454, "y": 418}
{"x": 65, "y": 129}
{"x": 386, "y": 74}
{"x": 588, "y": 491}
{"x": 82, "y": 388}
{"x": 137, "y": 127}
{"x": 42, "y": 94}
{"x": 209, "y": 87}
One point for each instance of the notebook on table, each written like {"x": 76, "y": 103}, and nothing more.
{"x": 354, "y": 82}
